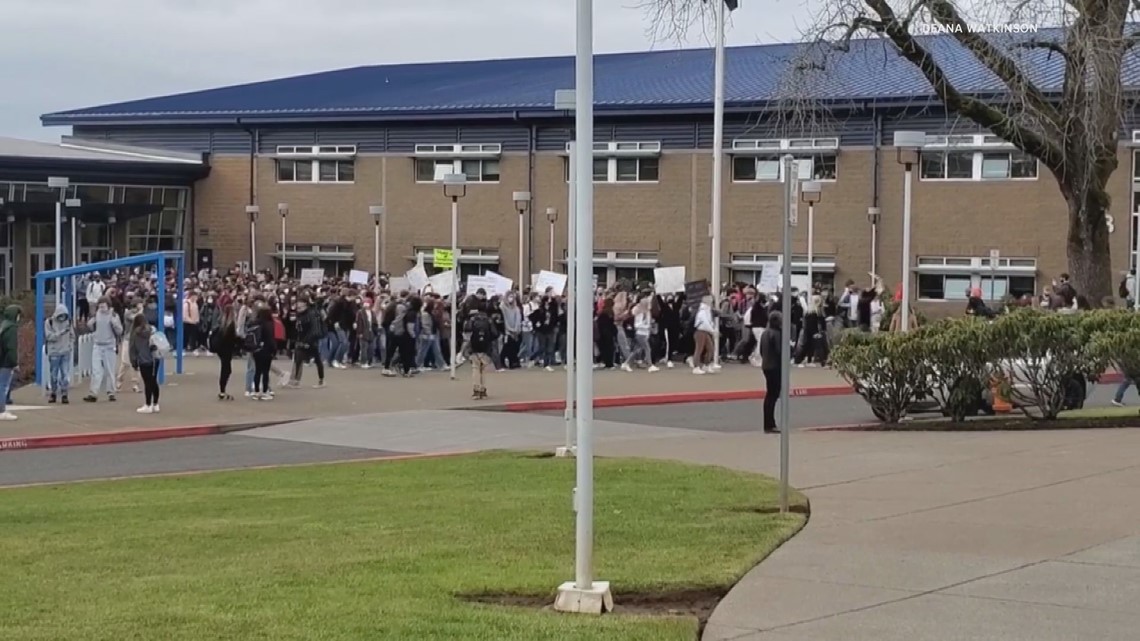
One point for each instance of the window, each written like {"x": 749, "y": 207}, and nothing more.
{"x": 769, "y": 168}
{"x": 975, "y": 157}
{"x": 952, "y": 278}
{"x": 623, "y": 162}
{"x": 484, "y": 170}
{"x": 41, "y": 235}
{"x": 319, "y": 171}
{"x": 161, "y": 231}
{"x": 944, "y": 287}
{"x": 95, "y": 235}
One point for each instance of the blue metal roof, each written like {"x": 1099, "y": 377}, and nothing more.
{"x": 656, "y": 80}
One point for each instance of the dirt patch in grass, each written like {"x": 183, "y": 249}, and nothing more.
{"x": 696, "y": 602}
{"x": 1003, "y": 424}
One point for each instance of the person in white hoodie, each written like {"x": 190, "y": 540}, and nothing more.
{"x": 703, "y": 337}
{"x": 95, "y": 290}
{"x": 642, "y": 327}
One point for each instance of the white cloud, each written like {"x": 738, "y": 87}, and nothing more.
{"x": 68, "y": 54}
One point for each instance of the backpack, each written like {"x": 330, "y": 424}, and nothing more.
{"x": 481, "y": 332}
{"x": 252, "y": 339}
{"x": 160, "y": 344}
{"x": 278, "y": 329}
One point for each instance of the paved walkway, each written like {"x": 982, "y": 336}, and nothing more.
{"x": 190, "y": 399}
{"x": 915, "y": 537}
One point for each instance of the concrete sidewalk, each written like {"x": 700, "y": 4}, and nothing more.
{"x": 191, "y": 399}
{"x": 939, "y": 536}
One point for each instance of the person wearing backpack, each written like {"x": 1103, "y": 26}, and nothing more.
{"x": 261, "y": 344}
{"x": 310, "y": 332}
{"x": 482, "y": 333}
{"x": 9, "y": 357}
{"x": 144, "y": 360}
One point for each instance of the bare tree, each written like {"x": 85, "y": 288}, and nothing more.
{"x": 1071, "y": 126}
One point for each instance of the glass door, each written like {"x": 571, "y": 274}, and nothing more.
{"x": 41, "y": 260}
{"x": 5, "y": 272}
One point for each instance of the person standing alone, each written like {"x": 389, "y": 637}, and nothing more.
{"x": 107, "y": 330}
{"x": 482, "y": 334}
{"x": 141, "y": 351}
{"x": 772, "y": 362}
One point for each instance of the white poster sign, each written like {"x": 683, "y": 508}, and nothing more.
{"x": 550, "y": 279}
{"x": 358, "y": 277}
{"x": 769, "y": 277}
{"x": 417, "y": 277}
{"x": 312, "y": 276}
{"x": 501, "y": 286}
{"x": 669, "y": 280}
{"x": 442, "y": 283}
{"x": 398, "y": 284}
{"x": 475, "y": 283}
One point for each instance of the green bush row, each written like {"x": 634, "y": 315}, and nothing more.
{"x": 1031, "y": 356}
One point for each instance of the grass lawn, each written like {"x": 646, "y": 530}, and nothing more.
{"x": 366, "y": 551}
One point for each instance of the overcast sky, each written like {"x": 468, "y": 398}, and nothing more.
{"x": 66, "y": 54}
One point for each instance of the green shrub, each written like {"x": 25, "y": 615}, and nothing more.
{"x": 958, "y": 353}
{"x": 1039, "y": 356}
{"x": 1119, "y": 348}
{"x": 887, "y": 370}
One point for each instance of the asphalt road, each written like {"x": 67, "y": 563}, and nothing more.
{"x": 236, "y": 451}
{"x": 205, "y": 453}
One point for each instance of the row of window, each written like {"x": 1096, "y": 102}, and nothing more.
{"x": 935, "y": 165}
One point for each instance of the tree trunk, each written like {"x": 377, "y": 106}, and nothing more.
{"x": 1090, "y": 261}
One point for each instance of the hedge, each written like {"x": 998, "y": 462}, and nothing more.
{"x": 952, "y": 361}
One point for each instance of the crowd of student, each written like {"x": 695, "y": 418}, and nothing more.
{"x": 335, "y": 324}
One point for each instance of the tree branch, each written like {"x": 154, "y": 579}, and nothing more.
{"x": 1042, "y": 144}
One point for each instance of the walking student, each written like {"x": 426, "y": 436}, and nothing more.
{"x": 59, "y": 339}
{"x": 9, "y": 357}
{"x": 482, "y": 334}
{"x": 145, "y": 362}
{"x": 107, "y": 330}
{"x": 310, "y": 332}
{"x": 262, "y": 346}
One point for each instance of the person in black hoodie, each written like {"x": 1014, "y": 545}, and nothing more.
{"x": 668, "y": 327}
{"x": 758, "y": 320}
{"x": 545, "y": 329}
{"x": 607, "y": 334}
{"x": 264, "y": 349}
{"x": 310, "y": 331}
{"x": 223, "y": 341}
{"x": 341, "y": 317}
{"x": 772, "y": 362}
{"x": 412, "y": 327}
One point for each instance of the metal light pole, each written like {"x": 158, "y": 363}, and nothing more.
{"x": 283, "y": 209}
{"x": 567, "y": 100}
{"x": 791, "y": 178}
{"x": 718, "y": 167}
{"x": 551, "y": 217}
{"x": 454, "y": 187}
{"x": 60, "y": 183}
{"x": 522, "y": 203}
{"x": 377, "y": 213}
{"x": 584, "y": 594}
{"x": 811, "y": 192}
{"x": 908, "y": 147}
{"x": 252, "y": 211}
{"x": 73, "y": 204}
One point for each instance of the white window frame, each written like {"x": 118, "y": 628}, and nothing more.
{"x": 771, "y": 150}
{"x": 315, "y": 169}
{"x": 450, "y": 158}
{"x": 622, "y": 150}
{"x": 978, "y": 145}
{"x": 752, "y": 263}
{"x": 977, "y": 270}
{"x": 613, "y": 260}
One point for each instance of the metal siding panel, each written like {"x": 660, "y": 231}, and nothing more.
{"x": 671, "y": 135}
{"x": 90, "y": 133}
{"x": 404, "y": 139}
{"x": 174, "y": 139}
{"x": 512, "y": 138}
{"x": 933, "y": 123}
{"x": 230, "y": 141}
{"x": 369, "y": 140}
{"x": 271, "y": 138}
{"x": 769, "y": 128}
{"x": 552, "y": 138}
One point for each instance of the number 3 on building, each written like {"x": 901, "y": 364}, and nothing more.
{"x": 1110, "y": 222}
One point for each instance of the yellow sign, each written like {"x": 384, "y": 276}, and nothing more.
{"x": 442, "y": 259}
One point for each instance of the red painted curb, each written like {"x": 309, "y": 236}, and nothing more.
{"x": 673, "y": 398}
{"x": 106, "y": 438}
